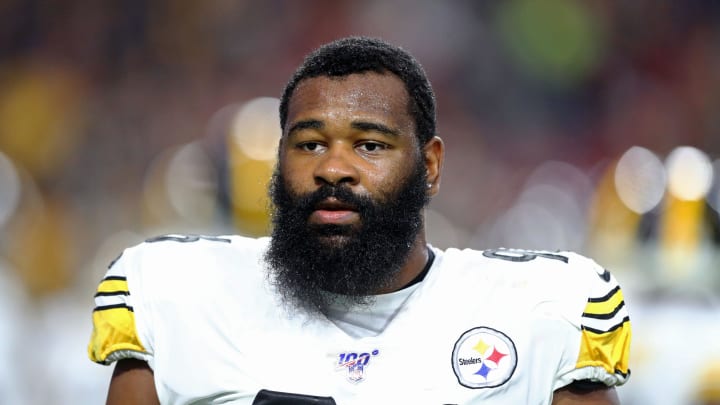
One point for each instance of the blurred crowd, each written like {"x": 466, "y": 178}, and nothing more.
{"x": 591, "y": 126}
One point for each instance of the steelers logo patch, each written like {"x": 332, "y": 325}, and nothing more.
{"x": 484, "y": 358}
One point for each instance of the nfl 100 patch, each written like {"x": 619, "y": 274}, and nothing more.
{"x": 484, "y": 358}
{"x": 355, "y": 364}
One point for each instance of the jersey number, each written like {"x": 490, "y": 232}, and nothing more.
{"x": 522, "y": 255}
{"x": 187, "y": 238}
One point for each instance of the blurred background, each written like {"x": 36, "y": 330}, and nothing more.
{"x": 591, "y": 126}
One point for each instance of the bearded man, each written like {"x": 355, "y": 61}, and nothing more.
{"x": 347, "y": 302}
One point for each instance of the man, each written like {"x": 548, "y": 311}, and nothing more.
{"x": 346, "y": 302}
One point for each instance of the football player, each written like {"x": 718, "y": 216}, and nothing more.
{"x": 346, "y": 302}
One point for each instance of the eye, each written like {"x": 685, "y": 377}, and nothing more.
{"x": 372, "y": 146}
{"x": 309, "y": 146}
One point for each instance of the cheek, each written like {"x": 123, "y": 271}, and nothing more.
{"x": 288, "y": 170}
{"x": 391, "y": 176}
{"x": 295, "y": 178}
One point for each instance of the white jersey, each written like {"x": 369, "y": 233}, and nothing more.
{"x": 492, "y": 327}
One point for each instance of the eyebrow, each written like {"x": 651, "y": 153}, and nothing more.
{"x": 373, "y": 126}
{"x": 306, "y": 124}
{"x": 361, "y": 125}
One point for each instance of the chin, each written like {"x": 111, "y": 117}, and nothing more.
{"x": 334, "y": 241}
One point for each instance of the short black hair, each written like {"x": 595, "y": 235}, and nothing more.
{"x": 350, "y": 55}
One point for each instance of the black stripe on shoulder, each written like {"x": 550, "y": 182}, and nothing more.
{"x": 606, "y": 296}
{"x": 600, "y": 332}
{"x": 118, "y": 278}
{"x": 111, "y": 293}
{"x": 114, "y": 306}
{"x": 605, "y": 316}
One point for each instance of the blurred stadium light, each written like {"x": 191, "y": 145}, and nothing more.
{"x": 690, "y": 173}
{"x": 640, "y": 179}
{"x": 252, "y": 149}
{"x": 180, "y": 190}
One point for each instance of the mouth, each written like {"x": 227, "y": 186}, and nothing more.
{"x": 335, "y": 212}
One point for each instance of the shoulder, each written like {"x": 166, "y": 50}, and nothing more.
{"x": 186, "y": 259}
{"x": 570, "y": 284}
{"x": 533, "y": 264}
{"x": 150, "y": 283}
{"x": 585, "y": 300}
{"x": 200, "y": 244}
{"x": 180, "y": 249}
{"x": 540, "y": 296}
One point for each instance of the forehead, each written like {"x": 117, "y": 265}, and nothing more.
{"x": 382, "y": 96}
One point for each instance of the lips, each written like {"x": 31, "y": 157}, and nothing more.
{"x": 333, "y": 211}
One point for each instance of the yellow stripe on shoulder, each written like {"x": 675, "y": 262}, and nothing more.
{"x": 606, "y": 304}
{"x": 113, "y": 330}
{"x": 112, "y": 285}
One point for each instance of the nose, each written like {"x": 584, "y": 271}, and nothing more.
{"x": 336, "y": 167}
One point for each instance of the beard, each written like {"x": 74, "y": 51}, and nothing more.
{"x": 308, "y": 261}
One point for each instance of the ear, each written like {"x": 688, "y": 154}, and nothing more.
{"x": 434, "y": 153}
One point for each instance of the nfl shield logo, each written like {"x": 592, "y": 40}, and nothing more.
{"x": 356, "y": 373}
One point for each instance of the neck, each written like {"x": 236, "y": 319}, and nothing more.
{"x": 417, "y": 259}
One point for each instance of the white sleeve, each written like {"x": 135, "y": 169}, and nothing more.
{"x": 602, "y": 329}
{"x": 120, "y": 317}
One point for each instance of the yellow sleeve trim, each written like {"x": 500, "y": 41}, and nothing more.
{"x": 605, "y": 306}
{"x": 113, "y": 330}
{"x": 609, "y": 350}
{"x": 113, "y": 285}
